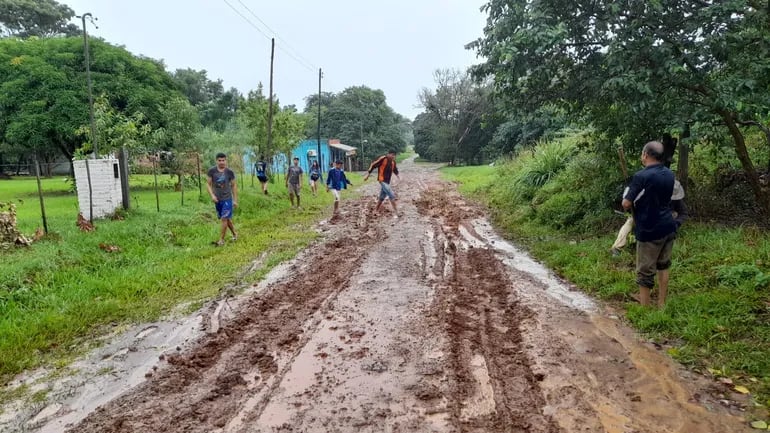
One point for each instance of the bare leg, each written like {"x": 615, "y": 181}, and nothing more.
{"x": 336, "y": 206}
{"x": 662, "y": 287}
{"x": 644, "y": 295}
{"x": 223, "y": 229}
{"x": 291, "y": 198}
{"x": 377, "y": 209}
{"x": 231, "y": 227}
{"x": 393, "y": 203}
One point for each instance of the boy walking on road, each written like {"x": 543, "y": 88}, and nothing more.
{"x": 386, "y": 167}
{"x": 336, "y": 181}
{"x": 224, "y": 193}
{"x": 294, "y": 181}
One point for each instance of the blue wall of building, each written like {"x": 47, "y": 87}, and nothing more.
{"x": 306, "y": 152}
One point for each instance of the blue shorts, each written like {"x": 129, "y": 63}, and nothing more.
{"x": 225, "y": 209}
{"x": 386, "y": 191}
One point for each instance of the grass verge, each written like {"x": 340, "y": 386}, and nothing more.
{"x": 66, "y": 288}
{"x": 717, "y": 318}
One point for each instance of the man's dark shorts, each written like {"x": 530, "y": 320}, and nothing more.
{"x": 225, "y": 209}
{"x": 651, "y": 257}
{"x": 262, "y": 179}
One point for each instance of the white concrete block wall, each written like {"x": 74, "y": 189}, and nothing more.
{"x": 105, "y": 185}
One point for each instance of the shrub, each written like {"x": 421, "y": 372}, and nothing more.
{"x": 581, "y": 197}
{"x": 521, "y": 177}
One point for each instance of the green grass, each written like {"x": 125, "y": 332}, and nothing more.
{"x": 718, "y": 312}
{"x": 64, "y": 289}
{"x": 471, "y": 180}
{"x": 401, "y": 157}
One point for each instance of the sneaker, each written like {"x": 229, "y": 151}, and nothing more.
{"x": 220, "y": 243}
{"x": 395, "y": 216}
{"x": 615, "y": 252}
{"x": 235, "y": 238}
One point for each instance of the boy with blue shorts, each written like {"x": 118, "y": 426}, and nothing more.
{"x": 386, "y": 167}
{"x": 224, "y": 193}
{"x": 336, "y": 181}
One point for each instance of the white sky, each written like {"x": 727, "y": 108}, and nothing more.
{"x": 393, "y": 45}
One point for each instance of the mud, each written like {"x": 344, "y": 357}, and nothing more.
{"x": 426, "y": 323}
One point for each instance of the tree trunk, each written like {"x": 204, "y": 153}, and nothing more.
{"x": 683, "y": 162}
{"x": 763, "y": 199}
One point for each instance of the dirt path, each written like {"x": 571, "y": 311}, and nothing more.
{"x": 428, "y": 323}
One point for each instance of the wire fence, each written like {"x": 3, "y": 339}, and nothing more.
{"x": 45, "y": 197}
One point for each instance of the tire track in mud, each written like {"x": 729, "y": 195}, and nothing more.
{"x": 203, "y": 389}
{"x": 491, "y": 383}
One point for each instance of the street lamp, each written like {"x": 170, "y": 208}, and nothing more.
{"x": 90, "y": 111}
{"x": 88, "y": 78}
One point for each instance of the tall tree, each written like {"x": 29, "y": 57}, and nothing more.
{"x": 24, "y": 18}
{"x": 632, "y": 65}
{"x": 458, "y": 107}
{"x": 215, "y": 105}
{"x": 43, "y": 94}
{"x": 358, "y": 113}
{"x": 288, "y": 125}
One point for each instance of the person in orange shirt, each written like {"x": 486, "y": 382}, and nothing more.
{"x": 386, "y": 168}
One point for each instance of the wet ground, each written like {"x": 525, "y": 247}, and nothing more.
{"x": 425, "y": 323}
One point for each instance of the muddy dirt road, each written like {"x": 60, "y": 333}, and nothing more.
{"x": 426, "y": 323}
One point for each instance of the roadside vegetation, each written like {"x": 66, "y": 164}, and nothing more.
{"x": 557, "y": 200}
{"x": 71, "y": 285}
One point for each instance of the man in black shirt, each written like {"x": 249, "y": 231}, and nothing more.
{"x": 649, "y": 197}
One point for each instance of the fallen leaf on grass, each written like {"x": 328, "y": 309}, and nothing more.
{"x": 39, "y": 233}
{"x": 109, "y": 248}
{"x": 742, "y": 389}
{"x": 84, "y": 224}
{"x": 714, "y": 371}
{"x": 759, "y": 425}
{"x": 725, "y": 380}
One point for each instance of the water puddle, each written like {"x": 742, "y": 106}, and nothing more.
{"x": 482, "y": 402}
{"x": 486, "y": 237}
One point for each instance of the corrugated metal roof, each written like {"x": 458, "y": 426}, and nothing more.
{"x": 349, "y": 150}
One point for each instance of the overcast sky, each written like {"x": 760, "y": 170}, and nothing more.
{"x": 393, "y": 45}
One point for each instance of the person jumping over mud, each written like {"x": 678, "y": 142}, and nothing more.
{"x": 224, "y": 193}
{"x": 386, "y": 167}
{"x": 294, "y": 181}
{"x": 336, "y": 181}
{"x": 261, "y": 169}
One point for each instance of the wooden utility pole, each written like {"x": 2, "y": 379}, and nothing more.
{"x": 270, "y": 105}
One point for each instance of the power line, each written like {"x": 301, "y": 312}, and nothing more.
{"x": 247, "y": 19}
{"x": 251, "y": 23}
{"x": 295, "y": 51}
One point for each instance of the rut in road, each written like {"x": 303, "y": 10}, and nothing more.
{"x": 482, "y": 318}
